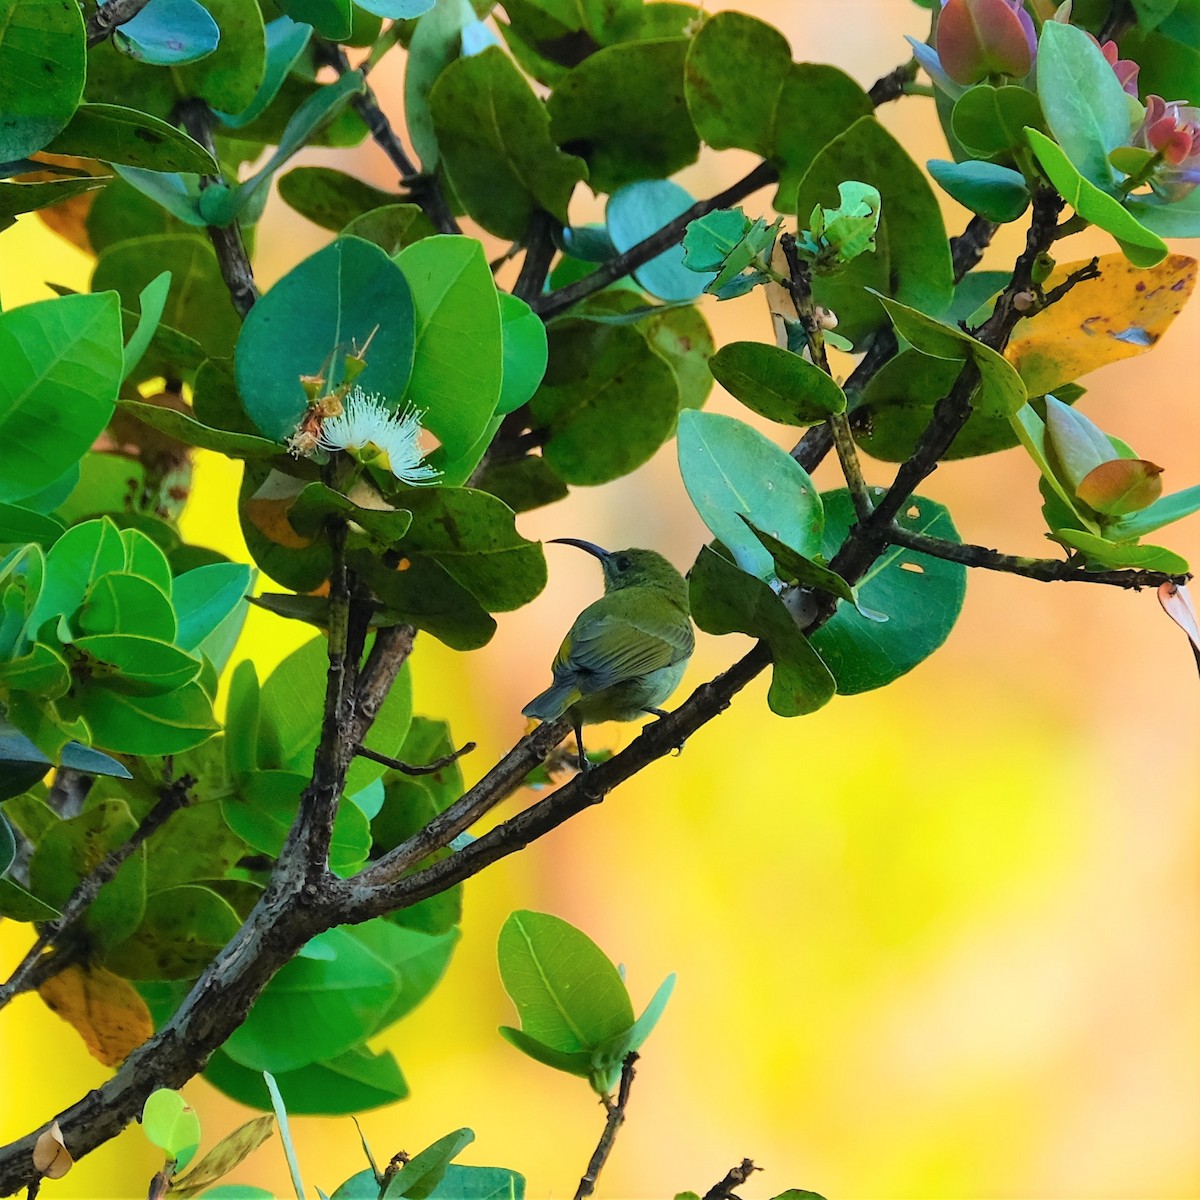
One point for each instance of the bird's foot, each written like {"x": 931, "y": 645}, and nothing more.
{"x": 658, "y": 714}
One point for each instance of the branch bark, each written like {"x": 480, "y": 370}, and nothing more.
{"x": 108, "y": 17}
{"x": 612, "y": 1126}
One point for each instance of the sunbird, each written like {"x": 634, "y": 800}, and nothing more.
{"x": 625, "y": 653}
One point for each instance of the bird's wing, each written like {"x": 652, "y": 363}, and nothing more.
{"x": 612, "y": 641}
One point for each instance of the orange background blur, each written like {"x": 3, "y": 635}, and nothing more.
{"x": 936, "y": 941}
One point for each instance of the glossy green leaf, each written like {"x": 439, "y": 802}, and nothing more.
{"x": 480, "y": 1183}
{"x": 776, "y": 383}
{"x": 315, "y": 1008}
{"x": 997, "y": 193}
{"x": 570, "y": 1062}
{"x": 350, "y": 1083}
{"x": 643, "y": 1027}
{"x": 150, "y": 725}
{"x": 171, "y": 1124}
{"x": 120, "y": 603}
{"x": 623, "y": 111}
{"x": 419, "y": 1176}
{"x": 607, "y": 401}
{"x": 566, "y": 991}
{"x": 60, "y": 367}
{"x": 726, "y": 599}
{"x": 523, "y": 337}
{"x": 152, "y": 301}
{"x": 1162, "y": 512}
{"x": 17, "y": 904}
{"x": 1086, "y": 108}
{"x": 920, "y": 596}
{"x": 991, "y": 120}
{"x": 729, "y": 468}
{"x": 418, "y": 958}
{"x": 318, "y": 313}
{"x": 132, "y": 665}
{"x": 316, "y": 503}
{"x": 911, "y": 260}
{"x": 198, "y": 301}
{"x": 1002, "y": 391}
{"x": 330, "y": 18}
{"x": 1140, "y": 246}
{"x": 329, "y": 198}
{"x": 181, "y": 932}
{"x": 285, "y": 1134}
{"x": 19, "y": 525}
{"x": 458, "y": 365}
{"x": 71, "y": 849}
{"x": 391, "y": 227}
{"x": 8, "y": 844}
{"x": 744, "y": 90}
{"x": 42, "y": 67}
{"x": 473, "y": 536}
{"x": 1102, "y": 553}
{"x": 523, "y": 485}
{"x": 436, "y": 43}
{"x": 496, "y": 148}
{"x": 229, "y": 77}
{"x": 168, "y": 33}
{"x": 191, "y": 432}
{"x": 636, "y": 211}
{"x": 286, "y": 41}
{"x": 136, "y": 139}
{"x": 17, "y": 198}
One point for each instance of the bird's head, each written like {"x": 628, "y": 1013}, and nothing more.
{"x": 634, "y": 568}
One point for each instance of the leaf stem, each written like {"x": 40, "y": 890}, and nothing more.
{"x": 612, "y": 1126}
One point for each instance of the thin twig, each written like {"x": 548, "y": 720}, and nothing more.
{"x": 558, "y": 301}
{"x": 735, "y": 1178}
{"x": 612, "y": 1126}
{"x": 426, "y": 190}
{"x": 967, "y": 249}
{"x": 799, "y": 288}
{"x": 1044, "y": 570}
{"x": 226, "y": 239}
{"x": 409, "y": 768}
{"x": 173, "y": 797}
{"x": 893, "y": 85}
{"x": 106, "y": 17}
{"x": 539, "y": 252}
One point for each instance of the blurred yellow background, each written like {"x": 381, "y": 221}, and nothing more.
{"x": 938, "y": 941}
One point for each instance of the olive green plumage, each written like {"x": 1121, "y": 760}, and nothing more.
{"x": 625, "y": 654}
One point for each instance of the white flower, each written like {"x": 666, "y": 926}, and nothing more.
{"x": 367, "y": 421}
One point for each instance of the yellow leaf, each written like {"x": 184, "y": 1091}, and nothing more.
{"x": 111, "y": 1017}
{"x": 1100, "y": 321}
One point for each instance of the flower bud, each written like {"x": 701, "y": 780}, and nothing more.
{"x": 981, "y": 38}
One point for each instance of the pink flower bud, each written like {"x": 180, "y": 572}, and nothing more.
{"x": 980, "y": 38}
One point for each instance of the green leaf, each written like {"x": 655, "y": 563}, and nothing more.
{"x": 1002, "y": 391}
{"x": 171, "y": 1124}
{"x": 496, "y": 148}
{"x": 198, "y": 302}
{"x": 643, "y": 1027}
{"x": 316, "y": 503}
{"x": 1140, "y": 246}
{"x": 636, "y": 211}
{"x": 776, "y": 384}
{"x": 391, "y": 227}
{"x": 436, "y": 43}
{"x": 992, "y": 191}
{"x": 17, "y": 198}
{"x": 1086, "y": 107}
{"x": 419, "y": 1176}
{"x": 20, "y": 525}
{"x": 523, "y": 337}
{"x": 42, "y": 67}
{"x": 8, "y": 843}
{"x": 329, "y": 198}
{"x": 566, "y": 991}
{"x": 191, "y": 432}
{"x": 912, "y": 259}
{"x": 1102, "y": 553}
{"x": 330, "y": 18}
{"x": 285, "y": 1134}
{"x": 150, "y": 725}
{"x": 152, "y": 301}
{"x": 479, "y": 1183}
{"x": 181, "y": 932}
{"x": 318, "y": 313}
{"x": 60, "y": 368}
{"x": 607, "y": 402}
{"x": 623, "y": 111}
{"x": 991, "y": 120}
{"x": 458, "y": 365}
{"x": 137, "y": 666}
{"x": 419, "y": 959}
{"x": 315, "y": 1008}
{"x": 19, "y": 905}
{"x": 787, "y": 116}
{"x": 682, "y": 337}
{"x": 168, "y": 33}
{"x": 351, "y": 1083}
{"x": 286, "y": 41}
{"x": 69, "y": 850}
{"x": 726, "y": 599}
{"x": 920, "y": 596}
{"x": 473, "y": 536}
{"x": 1162, "y": 512}
{"x": 729, "y": 468}
{"x": 115, "y": 134}
{"x": 570, "y": 1062}
{"x": 230, "y": 77}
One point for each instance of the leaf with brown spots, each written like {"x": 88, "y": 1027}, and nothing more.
{"x": 111, "y": 1017}
{"x": 1100, "y": 321}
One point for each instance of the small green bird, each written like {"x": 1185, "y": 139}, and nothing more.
{"x": 625, "y": 654}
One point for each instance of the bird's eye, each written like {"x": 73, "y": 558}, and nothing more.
{"x": 622, "y": 563}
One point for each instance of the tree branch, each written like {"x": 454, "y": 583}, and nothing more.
{"x": 27, "y": 974}
{"x": 735, "y": 1178}
{"x": 892, "y": 85}
{"x": 539, "y": 251}
{"x": 226, "y": 239}
{"x": 426, "y": 190}
{"x": 410, "y": 769}
{"x": 107, "y": 17}
{"x": 612, "y": 1126}
{"x": 1044, "y": 570}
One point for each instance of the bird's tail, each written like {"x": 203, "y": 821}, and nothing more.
{"x": 552, "y": 703}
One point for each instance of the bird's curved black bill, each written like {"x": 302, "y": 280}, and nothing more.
{"x": 580, "y": 544}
